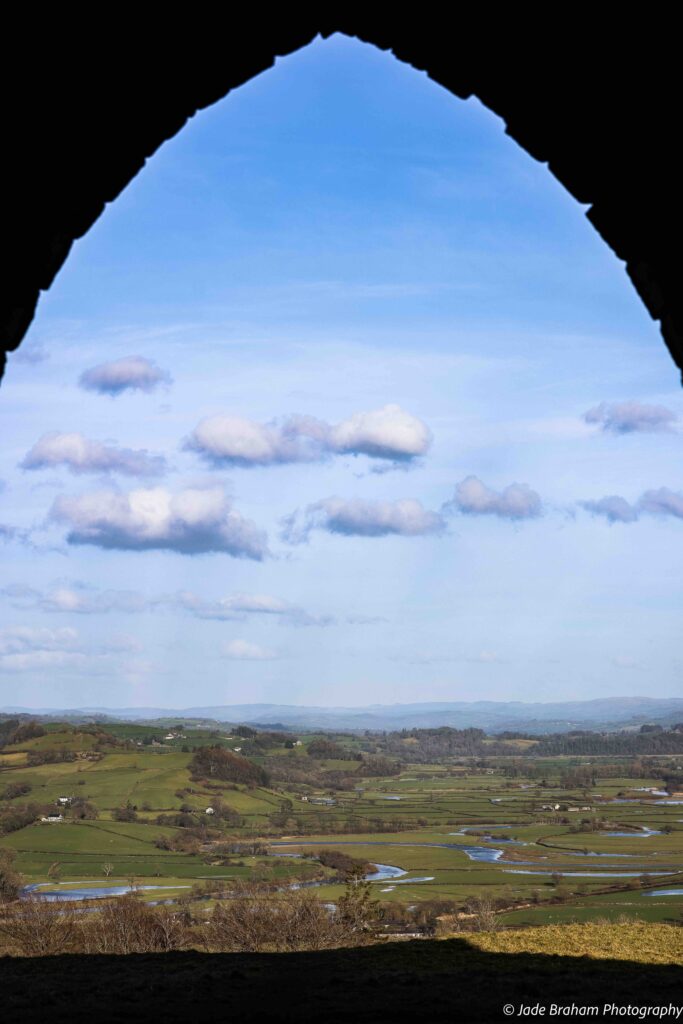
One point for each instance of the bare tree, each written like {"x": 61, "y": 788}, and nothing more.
{"x": 485, "y": 918}
{"x": 126, "y": 925}
{"x": 36, "y": 927}
{"x": 253, "y": 922}
{"x": 107, "y": 868}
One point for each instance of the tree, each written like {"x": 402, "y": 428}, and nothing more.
{"x": 10, "y": 880}
{"x": 126, "y": 925}
{"x": 83, "y": 809}
{"x": 30, "y": 731}
{"x": 219, "y": 763}
{"x": 36, "y": 927}
{"x": 485, "y": 916}
{"x": 107, "y": 869}
{"x": 253, "y": 921}
{"x": 124, "y": 814}
{"x": 356, "y": 909}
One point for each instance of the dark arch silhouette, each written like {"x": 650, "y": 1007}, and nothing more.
{"x": 86, "y": 106}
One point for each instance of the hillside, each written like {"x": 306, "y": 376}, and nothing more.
{"x": 439, "y": 981}
{"x": 560, "y": 716}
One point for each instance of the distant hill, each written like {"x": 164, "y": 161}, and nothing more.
{"x": 606, "y": 713}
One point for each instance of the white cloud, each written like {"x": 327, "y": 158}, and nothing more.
{"x": 236, "y": 441}
{"x": 17, "y": 639}
{"x": 631, "y": 417}
{"x": 85, "y": 602}
{"x": 133, "y": 373}
{"x": 389, "y": 433}
{"x": 190, "y": 522}
{"x": 613, "y": 507}
{"x": 81, "y": 455}
{"x": 242, "y": 650}
{"x": 516, "y": 501}
{"x": 27, "y": 648}
{"x": 356, "y": 518}
{"x": 662, "y": 502}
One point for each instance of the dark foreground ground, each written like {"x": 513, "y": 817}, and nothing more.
{"x": 415, "y": 981}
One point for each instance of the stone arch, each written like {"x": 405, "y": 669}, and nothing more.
{"x": 84, "y": 118}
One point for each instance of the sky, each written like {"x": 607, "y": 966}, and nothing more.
{"x": 343, "y": 401}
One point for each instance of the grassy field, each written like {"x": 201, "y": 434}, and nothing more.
{"x": 639, "y": 943}
{"x": 420, "y": 819}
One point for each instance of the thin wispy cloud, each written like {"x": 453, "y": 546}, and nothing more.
{"x": 389, "y": 433}
{"x": 81, "y": 455}
{"x": 357, "y": 518}
{"x": 625, "y": 661}
{"x": 80, "y": 599}
{"x": 365, "y": 620}
{"x": 243, "y": 650}
{"x": 30, "y": 354}
{"x": 74, "y": 598}
{"x": 631, "y": 417}
{"x": 485, "y": 658}
{"x": 28, "y": 648}
{"x": 474, "y": 498}
{"x": 238, "y": 607}
{"x": 428, "y": 657}
{"x": 190, "y": 522}
{"x": 133, "y": 373}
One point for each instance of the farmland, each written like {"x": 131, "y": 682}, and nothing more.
{"x": 505, "y": 828}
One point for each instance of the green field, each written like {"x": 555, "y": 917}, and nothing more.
{"x": 416, "y": 820}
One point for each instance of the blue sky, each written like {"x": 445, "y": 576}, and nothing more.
{"x": 303, "y": 419}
